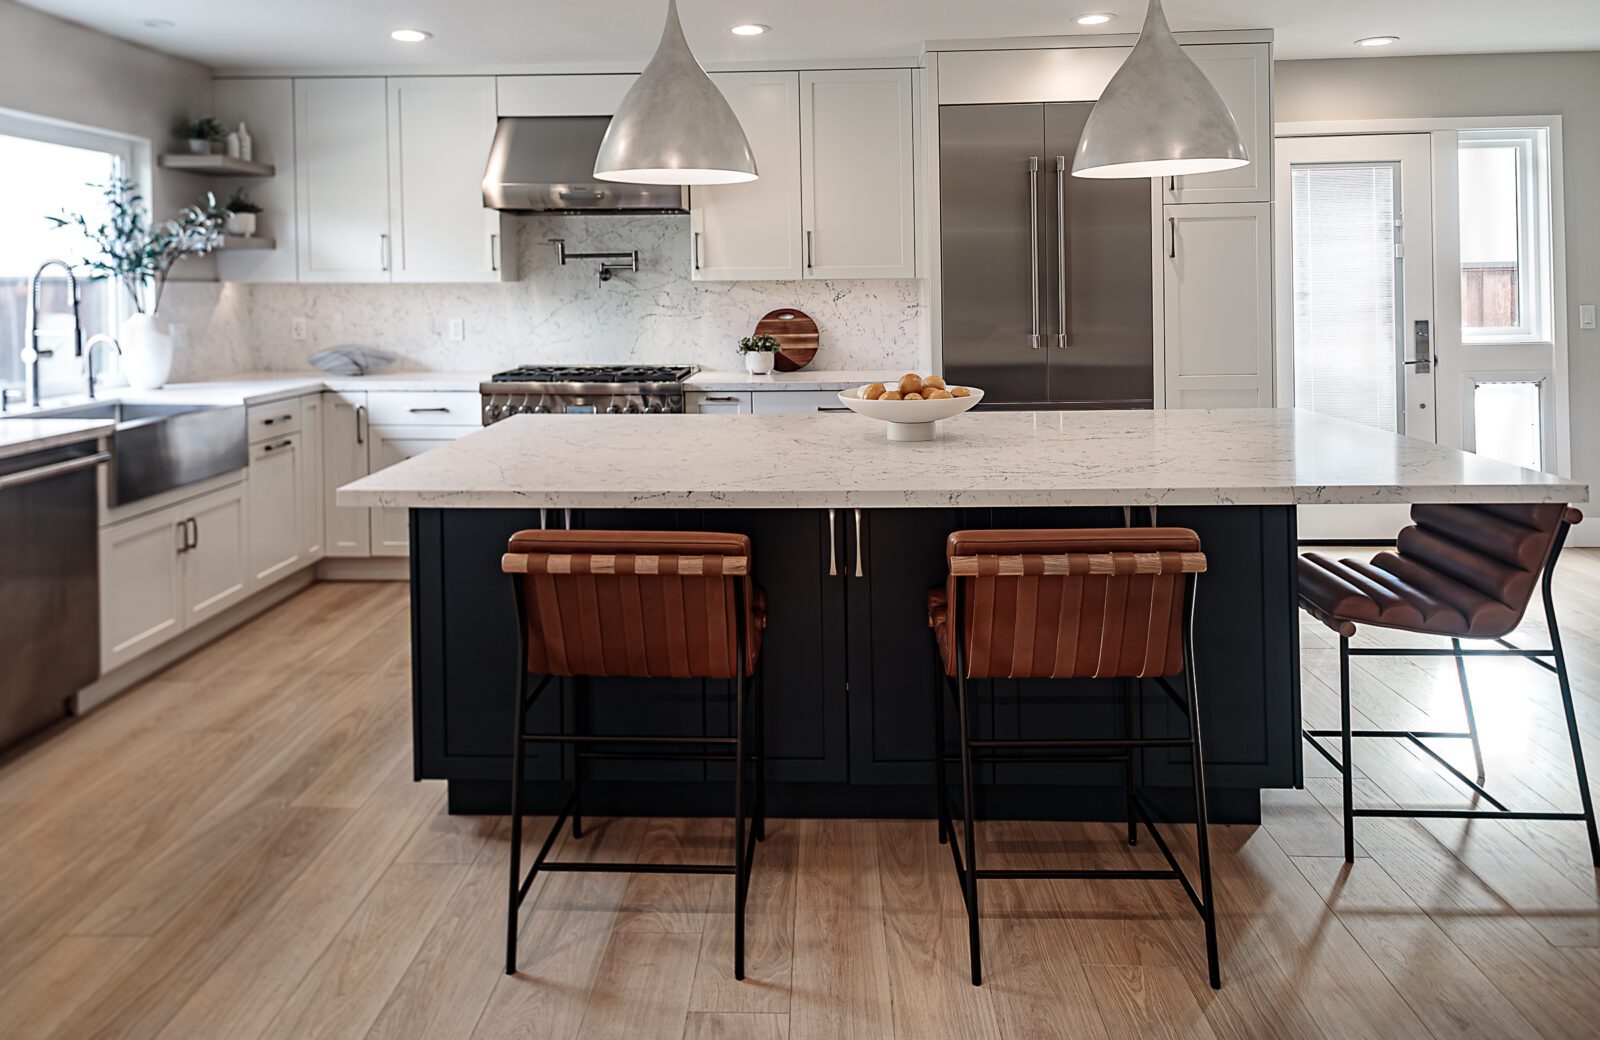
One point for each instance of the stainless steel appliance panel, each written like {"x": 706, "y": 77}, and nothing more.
{"x": 49, "y": 586}
{"x": 1103, "y": 347}
{"x": 993, "y": 248}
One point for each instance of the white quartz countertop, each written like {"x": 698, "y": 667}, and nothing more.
{"x": 805, "y": 379}
{"x": 19, "y": 435}
{"x": 1257, "y": 456}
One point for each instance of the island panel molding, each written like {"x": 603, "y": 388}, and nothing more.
{"x": 1249, "y": 456}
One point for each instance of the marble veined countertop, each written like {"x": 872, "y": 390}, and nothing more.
{"x": 1256, "y": 456}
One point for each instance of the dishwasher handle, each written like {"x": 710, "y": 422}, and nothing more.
{"x": 54, "y": 469}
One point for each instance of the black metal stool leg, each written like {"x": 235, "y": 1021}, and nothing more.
{"x": 513, "y": 902}
{"x": 1128, "y": 688}
{"x": 580, "y": 691}
{"x": 1202, "y": 826}
{"x": 759, "y": 709}
{"x": 942, "y": 797}
{"x": 968, "y": 814}
{"x": 1585, "y": 798}
{"x": 1466, "y": 703}
{"x": 1349, "y": 765}
{"x": 740, "y": 863}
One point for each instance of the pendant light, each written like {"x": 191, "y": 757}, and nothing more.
{"x": 1159, "y": 116}
{"x": 674, "y": 126}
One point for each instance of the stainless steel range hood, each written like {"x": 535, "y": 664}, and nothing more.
{"x": 545, "y": 164}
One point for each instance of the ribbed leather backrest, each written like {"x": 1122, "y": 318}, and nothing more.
{"x": 1484, "y": 560}
{"x": 1066, "y": 604}
{"x": 644, "y": 604}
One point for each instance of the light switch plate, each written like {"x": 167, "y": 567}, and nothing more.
{"x": 457, "y": 330}
{"x": 1585, "y": 315}
{"x": 297, "y": 328}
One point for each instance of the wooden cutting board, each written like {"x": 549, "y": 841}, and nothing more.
{"x": 796, "y": 334}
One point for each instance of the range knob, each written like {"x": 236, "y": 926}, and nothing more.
{"x": 540, "y": 409}
{"x": 614, "y": 409}
{"x": 653, "y": 407}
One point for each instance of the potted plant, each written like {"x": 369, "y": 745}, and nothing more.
{"x": 140, "y": 257}
{"x": 759, "y": 353}
{"x": 242, "y": 214}
{"x": 202, "y": 134}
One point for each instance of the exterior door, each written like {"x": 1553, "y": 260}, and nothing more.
{"x": 1356, "y": 297}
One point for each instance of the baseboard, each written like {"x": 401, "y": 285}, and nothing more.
{"x": 134, "y": 672}
{"x": 375, "y": 568}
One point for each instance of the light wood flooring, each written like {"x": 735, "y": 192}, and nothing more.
{"x": 235, "y": 851}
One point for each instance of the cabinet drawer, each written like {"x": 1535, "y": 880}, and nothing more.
{"x": 424, "y": 408}
{"x": 273, "y": 420}
{"x": 707, "y": 402}
{"x": 773, "y": 402}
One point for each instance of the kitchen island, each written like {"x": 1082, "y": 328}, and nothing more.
{"x": 848, "y": 532}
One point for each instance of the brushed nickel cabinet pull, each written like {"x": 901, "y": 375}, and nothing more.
{"x": 1172, "y": 238}
{"x": 860, "y": 548}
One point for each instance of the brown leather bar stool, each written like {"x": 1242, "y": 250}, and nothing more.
{"x": 1460, "y": 571}
{"x": 641, "y": 604}
{"x": 1096, "y": 603}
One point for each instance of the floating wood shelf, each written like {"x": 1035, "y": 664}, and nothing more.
{"x": 232, "y": 242}
{"x": 219, "y": 165}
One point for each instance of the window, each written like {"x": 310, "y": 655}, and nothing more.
{"x": 1347, "y": 292}
{"x": 1508, "y": 421}
{"x": 1505, "y": 236}
{"x": 46, "y": 169}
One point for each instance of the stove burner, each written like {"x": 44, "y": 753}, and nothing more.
{"x": 595, "y": 374}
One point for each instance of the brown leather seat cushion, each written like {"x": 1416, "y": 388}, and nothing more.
{"x": 638, "y": 623}
{"x": 1466, "y": 571}
{"x": 1065, "y": 625}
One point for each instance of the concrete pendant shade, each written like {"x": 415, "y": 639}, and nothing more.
{"x": 674, "y": 126}
{"x": 1159, "y": 116}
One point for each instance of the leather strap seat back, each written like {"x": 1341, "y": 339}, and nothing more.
{"x": 642, "y": 604}
{"x": 1062, "y": 604}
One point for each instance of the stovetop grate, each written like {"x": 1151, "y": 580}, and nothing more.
{"x": 595, "y": 374}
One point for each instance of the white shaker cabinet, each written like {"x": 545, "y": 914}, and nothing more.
{"x": 276, "y": 472}
{"x": 141, "y": 584}
{"x": 311, "y": 494}
{"x": 752, "y": 231}
{"x": 440, "y": 129}
{"x": 1242, "y": 74}
{"x": 342, "y": 179}
{"x": 707, "y": 402}
{"x": 216, "y": 569}
{"x": 387, "y": 445}
{"x": 346, "y": 530}
{"x": 856, "y": 181}
{"x": 1217, "y": 280}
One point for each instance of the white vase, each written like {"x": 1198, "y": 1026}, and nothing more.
{"x": 242, "y": 224}
{"x": 146, "y": 351}
{"x": 759, "y": 362}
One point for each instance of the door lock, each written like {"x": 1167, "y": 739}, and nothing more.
{"x": 1423, "y": 341}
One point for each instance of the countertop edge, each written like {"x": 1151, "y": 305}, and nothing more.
{"x": 88, "y": 430}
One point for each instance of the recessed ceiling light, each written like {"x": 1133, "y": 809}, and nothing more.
{"x": 1377, "y": 41}
{"x": 1095, "y": 19}
{"x": 750, "y": 29}
{"x": 410, "y": 35}
{"x": 157, "y": 23}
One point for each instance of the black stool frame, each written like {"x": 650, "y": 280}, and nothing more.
{"x": 1418, "y": 737}
{"x": 1122, "y": 749}
{"x": 747, "y": 702}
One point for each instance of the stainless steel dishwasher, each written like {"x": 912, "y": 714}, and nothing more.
{"x": 49, "y": 584}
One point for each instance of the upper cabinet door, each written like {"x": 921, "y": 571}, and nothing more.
{"x": 1218, "y": 282}
{"x": 1242, "y": 74}
{"x": 856, "y": 133}
{"x": 751, "y": 231}
{"x": 342, "y": 179}
{"x": 440, "y": 129}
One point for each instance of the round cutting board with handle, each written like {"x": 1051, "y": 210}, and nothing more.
{"x": 796, "y": 334}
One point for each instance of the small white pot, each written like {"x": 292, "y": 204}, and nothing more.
{"x": 759, "y": 362}
{"x": 242, "y": 224}
{"x": 199, "y": 146}
{"x": 146, "y": 351}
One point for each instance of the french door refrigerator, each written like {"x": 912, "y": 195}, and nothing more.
{"x": 1046, "y": 286}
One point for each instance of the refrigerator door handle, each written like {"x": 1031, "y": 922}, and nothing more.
{"x": 1061, "y": 252}
{"x": 1033, "y": 244}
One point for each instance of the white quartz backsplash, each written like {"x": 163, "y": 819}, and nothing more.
{"x": 550, "y": 313}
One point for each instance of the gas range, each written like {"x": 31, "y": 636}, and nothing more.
{"x": 584, "y": 389}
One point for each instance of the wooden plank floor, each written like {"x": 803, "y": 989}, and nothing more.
{"x": 236, "y": 850}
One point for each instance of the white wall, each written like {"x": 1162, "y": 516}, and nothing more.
{"x": 1493, "y": 85}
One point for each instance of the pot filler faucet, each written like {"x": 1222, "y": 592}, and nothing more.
{"x": 32, "y": 354}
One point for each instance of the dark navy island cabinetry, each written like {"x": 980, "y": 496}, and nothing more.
{"x": 848, "y": 669}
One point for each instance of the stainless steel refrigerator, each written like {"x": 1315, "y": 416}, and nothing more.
{"x": 1046, "y": 285}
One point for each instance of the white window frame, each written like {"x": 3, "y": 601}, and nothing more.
{"x": 1535, "y": 299}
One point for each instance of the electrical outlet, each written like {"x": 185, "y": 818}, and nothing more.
{"x": 456, "y": 330}
{"x": 1586, "y": 316}
{"x": 297, "y": 328}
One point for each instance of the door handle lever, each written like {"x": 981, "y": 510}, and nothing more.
{"x": 1421, "y": 337}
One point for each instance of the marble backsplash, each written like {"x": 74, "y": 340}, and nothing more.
{"x": 550, "y": 313}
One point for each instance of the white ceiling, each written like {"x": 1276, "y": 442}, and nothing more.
{"x": 620, "y": 34}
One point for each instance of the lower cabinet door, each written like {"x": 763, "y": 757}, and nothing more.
{"x": 311, "y": 493}
{"x": 391, "y": 528}
{"x": 216, "y": 570}
{"x": 275, "y": 515}
{"x": 347, "y": 530}
{"x": 141, "y": 587}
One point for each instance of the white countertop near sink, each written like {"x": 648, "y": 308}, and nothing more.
{"x": 20, "y": 435}
{"x": 805, "y": 379}
{"x": 1191, "y": 457}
